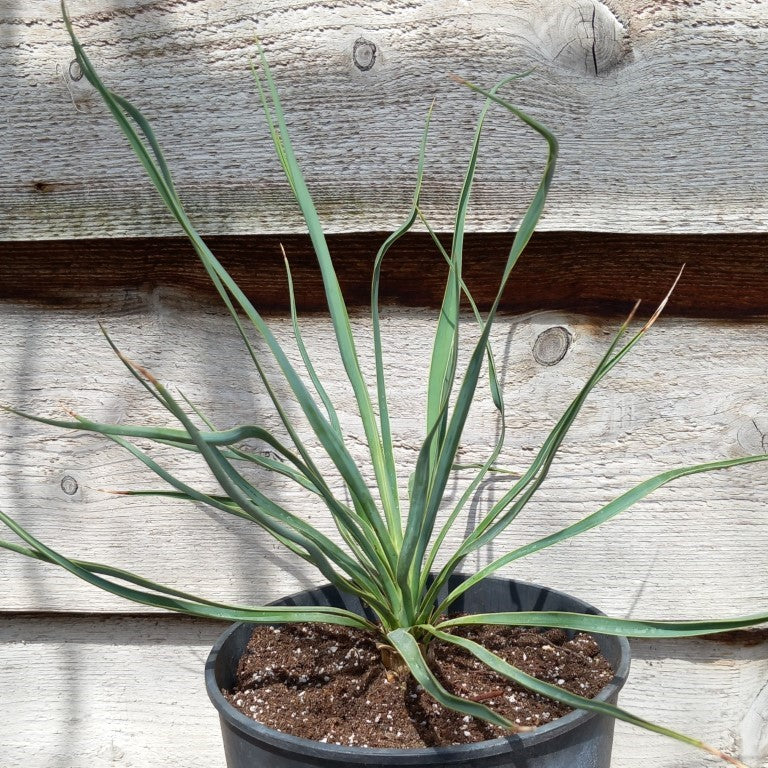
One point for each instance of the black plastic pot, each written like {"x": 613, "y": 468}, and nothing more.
{"x": 578, "y": 740}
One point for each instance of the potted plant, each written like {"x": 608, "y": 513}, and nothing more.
{"x": 389, "y": 578}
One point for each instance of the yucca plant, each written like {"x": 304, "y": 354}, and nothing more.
{"x": 387, "y": 545}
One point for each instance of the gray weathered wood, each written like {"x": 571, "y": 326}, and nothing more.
{"x": 130, "y": 692}
{"x": 660, "y": 108}
{"x": 693, "y": 391}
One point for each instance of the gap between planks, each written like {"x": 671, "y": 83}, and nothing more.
{"x": 599, "y": 273}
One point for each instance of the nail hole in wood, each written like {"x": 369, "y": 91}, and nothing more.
{"x": 43, "y": 186}
{"x": 551, "y": 345}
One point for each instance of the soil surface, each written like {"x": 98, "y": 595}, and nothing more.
{"x": 327, "y": 683}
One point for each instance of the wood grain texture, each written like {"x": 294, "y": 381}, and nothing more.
{"x": 694, "y": 391}
{"x": 725, "y": 276}
{"x": 129, "y": 692}
{"x": 660, "y": 109}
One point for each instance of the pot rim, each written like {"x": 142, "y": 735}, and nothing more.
{"x": 286, "y": 742}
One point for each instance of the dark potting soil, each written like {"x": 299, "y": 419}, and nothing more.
{"x": 327, "y": 683}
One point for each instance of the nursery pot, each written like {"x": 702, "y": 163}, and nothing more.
{"x": 578, "y": 740}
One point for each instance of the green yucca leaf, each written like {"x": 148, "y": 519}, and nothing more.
{"x": 442, "y": 370}
{"x": 486, "y": 466}
{"x": 169, "y": 599}
{"x": 180, "y": 439}
{"x": 615, "y": 507}
{"x": 117, "y": 573}
{"x": 358, "y": 533}
{"x": 408, "y": 571}
{"x": 381, "y": 388}
{"x": 316, "y": 383}
{"x": 494, "y": 522}
{"x": 263, "y": 509}
{"x": 494, "y": 384}
{"x": 605, "y": 625}
{"x": 411, "y": 653}
{"x": 261, "y": 460}
{"x": 455, "y": 425}
{"x": 167, "y": 435}
{"x": 550, "y": 691}
{"x": 362, "y": 585}
{"x": 336, "y": 306}
{"x": 157, "y": 170}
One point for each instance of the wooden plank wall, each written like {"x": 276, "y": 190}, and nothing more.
{"x": 660, "y": 109}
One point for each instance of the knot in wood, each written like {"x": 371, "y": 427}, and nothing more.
{"x": 752, "y": 435}
{"x": 75, "y": 70}
{"x": 551, "y": 345}
{"x": 69, "y": 485}
{"x": 585, "y": 37}
{"x": 364, "y": 54}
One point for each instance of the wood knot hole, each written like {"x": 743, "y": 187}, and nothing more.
{"x": 69, "y": 485}
{"x": 364, "y": 54}
{"x": 551, "y": 345}
{"x": 75, "y": 70}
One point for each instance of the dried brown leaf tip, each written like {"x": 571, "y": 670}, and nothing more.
{"x": 655, "y": 316}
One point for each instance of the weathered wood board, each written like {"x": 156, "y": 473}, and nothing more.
{"x": 692, "y": 391}
{"x": 129, "y": 692}
{"x": 660, "y": 109}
